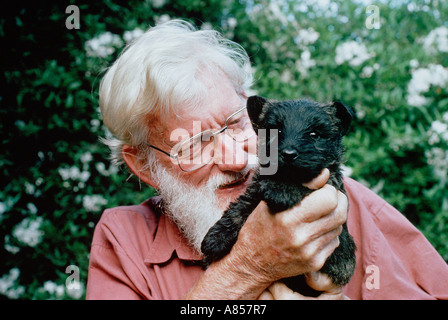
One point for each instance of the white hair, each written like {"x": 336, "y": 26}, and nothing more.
{"x": 159, "y": 73}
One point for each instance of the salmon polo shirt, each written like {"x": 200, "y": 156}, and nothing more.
{"x": 138, "y": 253}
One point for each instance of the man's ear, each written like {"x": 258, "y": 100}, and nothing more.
{"x": 345, "y": 114}
{"x": 255, "y": 106}
{"x": 136, "y": 165}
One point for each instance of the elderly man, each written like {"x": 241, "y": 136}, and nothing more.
{"x": 175, "y": 103}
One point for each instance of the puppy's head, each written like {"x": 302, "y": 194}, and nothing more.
{"x": 309, "y": 134}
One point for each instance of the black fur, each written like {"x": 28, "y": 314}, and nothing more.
{"x": 309, "y": 140}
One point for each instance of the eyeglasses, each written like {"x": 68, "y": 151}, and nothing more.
{"x": 199, "y": 150}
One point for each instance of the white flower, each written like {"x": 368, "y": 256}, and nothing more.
{"x": 76, "y": 292}
{"x": 367, "y": 71}
{"x": 437, "y": 158}
{"x": 305, "y": 63}
{"x": 27, "y": 231}
{"x": 93, "y": 202}
{"x": 353, "y": 52}
{"x": 320, "y": 8}
{"x": 286, "y": 76}
{"x": 436, "y": 40}
{"x": 74, "y": 173}
{"x": 32, "y": 208}
{"x": 69, "y": 173}
{"x": 275, "y": 12}
{"x": 8, "y": 246}
{"x": 101, "y": 167}
{"x": 2, "y": 208}
{"x": 129, "y": 36}
{"x": 54, "y": 289}
{"x": 439, "y": 131}
{"x": 162, "y": 19}
{"x": 86, "y": 157}
{"x": 232, "y": 22}
{"x": 413, "y": 63}
{"x": 307, "y": 37}
{"x": 8, "y": 286}
{"x": 103, "y": 45}
{"x": 158, "y": 3}
{"x": 420, "y": 82}
{"x": 439, "y": 127}
{"x": 29, "y": 188}
{"x": 206, "y": 26}
{"x": 422, "y": 79}
{"x": 439, "y": 75}
{"x": 416, "y": 100}
{"x": 95, "y": 124}
{"x": 445, "y": 117}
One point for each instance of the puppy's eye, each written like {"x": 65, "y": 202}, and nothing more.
{"x": 314, "y": 135}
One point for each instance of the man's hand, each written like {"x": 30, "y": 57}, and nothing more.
{"x": 316, "y": 280}
{"x": 271, "y": 247}
{"x": 295, "y": 241}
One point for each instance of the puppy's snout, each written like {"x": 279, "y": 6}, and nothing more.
{"x": 289, "y": 155}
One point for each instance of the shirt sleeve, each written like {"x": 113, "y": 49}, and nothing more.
{"x": 394, "y": 259}
{"x": 116, "y": 273}
{"x": 107, "y": 280}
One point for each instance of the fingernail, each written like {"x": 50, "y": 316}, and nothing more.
{"x": 315, "y": 276}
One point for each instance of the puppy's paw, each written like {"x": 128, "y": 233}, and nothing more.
{"x": 217, "y": 243}
{"x": 341, "y": 265}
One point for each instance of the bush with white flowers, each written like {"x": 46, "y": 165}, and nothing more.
{"x": 56, "y": 177}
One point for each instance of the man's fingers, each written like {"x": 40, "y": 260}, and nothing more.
{"x": 317, "y": 204}
{"x": 335, "y": 218}
{"x": 280, "y": 291}
{"x": 320, "y": 249}
{"x": 321, "y": 282}
{"x": 318, "y": 281}
{"x": 319, "y": 181}
{"x": 266, "y": 295}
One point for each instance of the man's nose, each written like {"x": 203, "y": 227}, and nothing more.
{"x": 229, "y": 154}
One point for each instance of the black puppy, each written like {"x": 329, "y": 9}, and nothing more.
{"x": 308, "y": 136}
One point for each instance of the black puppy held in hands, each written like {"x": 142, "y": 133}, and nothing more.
{"x": 308, "y": 136}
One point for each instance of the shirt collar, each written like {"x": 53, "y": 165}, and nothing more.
{"x": 168, "y": 239}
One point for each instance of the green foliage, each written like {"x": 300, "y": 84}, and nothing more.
{"x": 56, "y": 178}
{"x": 390, "y": 145}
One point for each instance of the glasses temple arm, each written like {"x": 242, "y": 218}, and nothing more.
{"x": 160, "y": 150}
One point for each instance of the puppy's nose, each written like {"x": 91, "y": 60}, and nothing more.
{"x": 290, "y": 154}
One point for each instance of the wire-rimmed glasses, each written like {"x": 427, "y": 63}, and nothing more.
{"x": 199, "y": 150}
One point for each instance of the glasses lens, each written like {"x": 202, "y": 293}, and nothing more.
{"x": 196, "y": 152}
{"x": 239, "y": 126}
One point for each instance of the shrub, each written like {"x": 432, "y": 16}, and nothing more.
{"x": 56, "y": 178}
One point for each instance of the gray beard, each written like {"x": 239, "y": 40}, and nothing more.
{"x": 193, "y": 209}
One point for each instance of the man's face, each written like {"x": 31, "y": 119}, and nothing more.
{"x": 233, "y": 162}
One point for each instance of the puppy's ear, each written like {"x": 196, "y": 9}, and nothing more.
{"x": 345, "y": 114}
{"x": 255, "y": 106}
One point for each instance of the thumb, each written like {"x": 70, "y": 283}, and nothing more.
{"x": 321, "y": 282}
{"x": 319, "y": 181}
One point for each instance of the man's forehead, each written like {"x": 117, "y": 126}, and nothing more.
{"x": 207, "y": 113}
{"x": 189, "y": 122}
